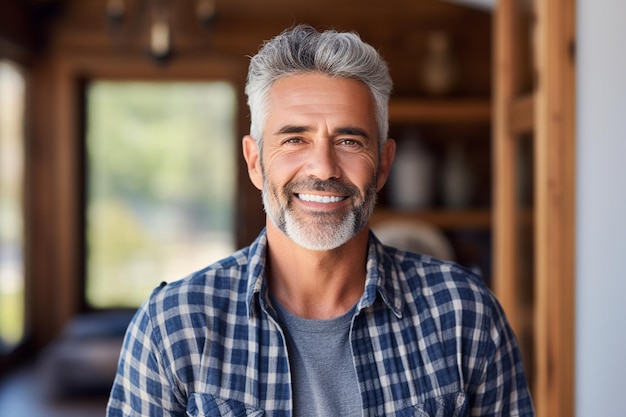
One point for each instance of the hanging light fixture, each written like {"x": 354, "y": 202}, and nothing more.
{"x": 205, "y": 12}
{"x": 115, "y": 11}
{"x": 160, "y": 31}
{"x": 155, "y": 17}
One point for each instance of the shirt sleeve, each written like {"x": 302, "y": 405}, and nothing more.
{"x": 141, "y": 386}
{"x": 503, "y": 389}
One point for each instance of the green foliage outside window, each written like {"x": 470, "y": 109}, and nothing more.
{"x": 12, "y": 93}
{"x": 161, "y": 165}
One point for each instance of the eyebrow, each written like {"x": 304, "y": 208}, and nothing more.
{"x": 285, "y": 130}
{"x": 351, "y": 131}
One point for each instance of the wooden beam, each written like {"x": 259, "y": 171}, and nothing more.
{"x": 437, "y": 111}
{"x": 505, "y": 174}
{"x": 555, "y": 212}
{"x": 447, "y": 220}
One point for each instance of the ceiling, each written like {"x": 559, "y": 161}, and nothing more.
{"x": 398, "y": 28}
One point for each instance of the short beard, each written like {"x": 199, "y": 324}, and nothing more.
{"x": 326, "y": 232}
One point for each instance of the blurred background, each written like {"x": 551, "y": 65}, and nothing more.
{"x": 121, "y": 167}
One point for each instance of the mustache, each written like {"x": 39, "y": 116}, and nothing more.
{"x": 332, "y": 185}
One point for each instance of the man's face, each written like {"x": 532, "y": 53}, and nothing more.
{"x": 320, "y": 163}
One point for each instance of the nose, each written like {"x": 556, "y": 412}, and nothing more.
{"x": 323, "y": 161}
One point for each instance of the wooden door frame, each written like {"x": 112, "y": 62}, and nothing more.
{"x": 549, "y": 113}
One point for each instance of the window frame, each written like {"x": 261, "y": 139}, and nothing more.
{"x": 86, "y": 167}
{"x": 59, "y": 257}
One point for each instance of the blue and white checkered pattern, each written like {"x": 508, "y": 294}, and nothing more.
{"x": 428, "y": 339}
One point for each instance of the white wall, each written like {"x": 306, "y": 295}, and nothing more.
{"x": 601, "y": 209}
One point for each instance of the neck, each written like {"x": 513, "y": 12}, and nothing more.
{"x": 316, "y": 284}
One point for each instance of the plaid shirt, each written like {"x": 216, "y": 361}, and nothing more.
{"x": 428, "y": 339}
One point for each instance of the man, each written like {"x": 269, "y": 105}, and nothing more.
{"x": 316, "y": 317}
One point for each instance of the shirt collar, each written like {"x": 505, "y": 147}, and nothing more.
{"x": 257, "y": 287}
{"x": 382, "y": 276}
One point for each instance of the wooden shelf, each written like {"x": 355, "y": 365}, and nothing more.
{"x": 446, "y": 219}
{"x": 404, "y": 110}
{"x": 444, "y": 112}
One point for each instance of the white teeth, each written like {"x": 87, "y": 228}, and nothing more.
{"x": 320, "y": 198}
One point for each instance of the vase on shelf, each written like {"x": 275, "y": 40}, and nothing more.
{"x": 438, "y": 71}
{"x": 456, "y": 178}
{"x": 412, "y": 175}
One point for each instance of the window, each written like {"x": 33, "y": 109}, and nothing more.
{"x": 12, "y": 92}
{"x": 161, "y": 184}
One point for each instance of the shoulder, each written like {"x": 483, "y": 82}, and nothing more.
{"x": 179, "y": 316}
{"x": 449, "y": 291}
{"x": 430, "y": 275}
{"x": 215, "y": 294}
{"x": 456, "y": 299}
{"x": 211, "y": 286}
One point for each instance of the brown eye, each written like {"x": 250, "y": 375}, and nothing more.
{"x": 293, "y": 140}
{"x": 350, "y": 142}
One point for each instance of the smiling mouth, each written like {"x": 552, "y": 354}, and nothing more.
{"x": 320, "y": 198}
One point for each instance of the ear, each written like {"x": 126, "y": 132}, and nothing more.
{"x": 386, "y": 159}
{"x": 251, "y": 154}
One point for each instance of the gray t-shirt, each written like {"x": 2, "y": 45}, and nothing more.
{"x": 323, "y": 376}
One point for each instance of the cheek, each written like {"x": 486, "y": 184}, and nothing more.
{"x": 361, "y": 171}
{"x": 283, "y": 167}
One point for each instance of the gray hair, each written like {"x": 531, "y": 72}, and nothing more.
{"x": 302, "y": 50}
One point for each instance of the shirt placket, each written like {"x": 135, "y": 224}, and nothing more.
{"x": 274, "y": 375}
